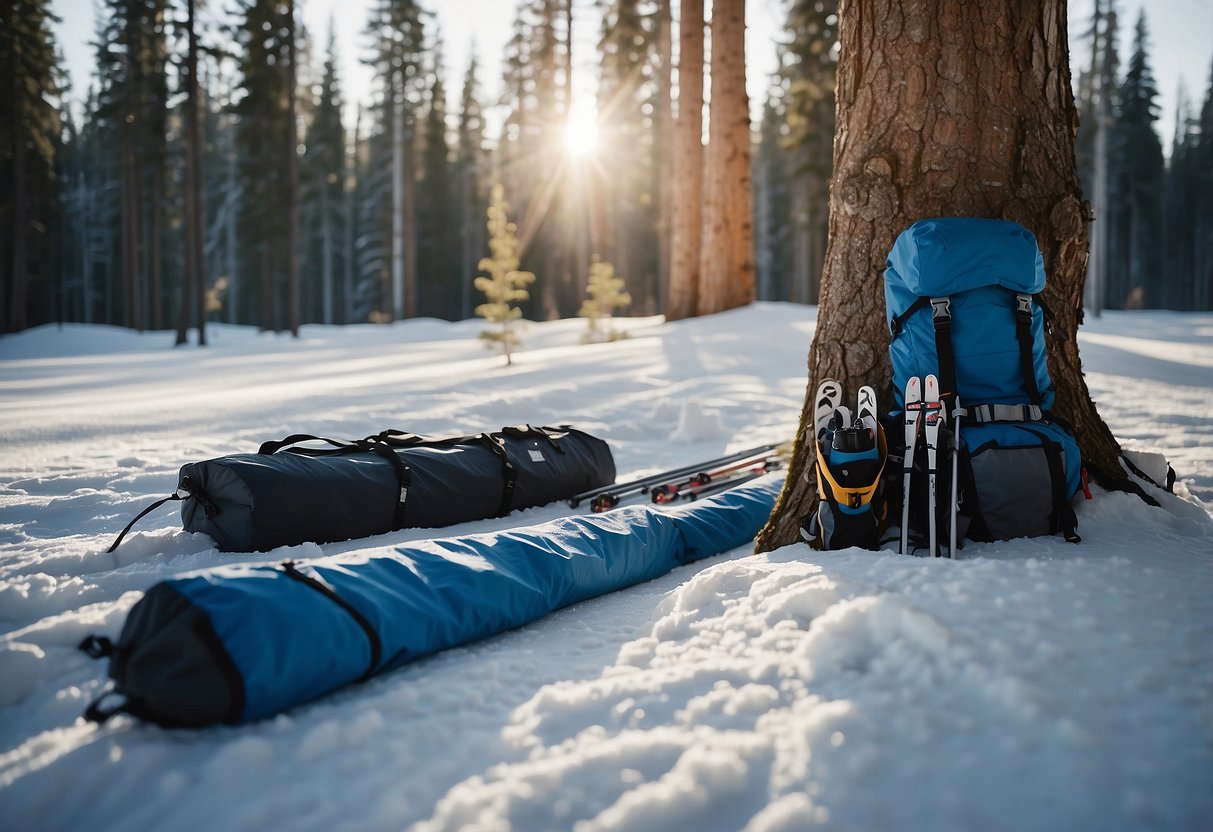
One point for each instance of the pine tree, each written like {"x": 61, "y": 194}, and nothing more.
{"x": 506, "y": 285}
{"x": 1097, "y": 107}
{"x": 290, "y": 152}
{"x": 437, "y": 225}
{"x": 470, "y": 164}
{"x": 262, "y": 135}
{"x": 29, "y": 131}
{"x": 193, "y": 284}
{"x": 1202, "y": 257}
{"x": 396, "y": 29}
{"x": 774, "y": 179}
{"x": 132, "y": 116}
{"x": 1135, "y": 184}
{"x": 605, "y": 293}
{"x": 323, "y": 176}
{"x": 1180, "y": 196}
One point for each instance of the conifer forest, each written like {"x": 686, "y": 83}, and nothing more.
{"x": 218, "y": 168}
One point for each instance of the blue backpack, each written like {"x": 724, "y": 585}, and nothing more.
{"x": 963, "y": 298}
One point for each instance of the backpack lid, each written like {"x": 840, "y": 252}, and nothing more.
{"x": 948, "y": 255}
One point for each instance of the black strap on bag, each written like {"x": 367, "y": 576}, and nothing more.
{"x": 380, "y": 444}
{"x": 296, "y": 438}
{"x": 185, "y": 490}
{"x": 509, "y": 472}
{"x": 1063, "y": 519}
{"x": 404, "y": 478}
{"x": 372, "y": 635}
{"x": 941, "y": 319}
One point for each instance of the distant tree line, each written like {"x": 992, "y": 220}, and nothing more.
{"x": 212, "y": 173}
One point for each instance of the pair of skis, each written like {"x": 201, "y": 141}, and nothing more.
{"x": 924, "y": 414}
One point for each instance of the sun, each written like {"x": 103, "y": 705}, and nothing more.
{"x": 581, "y": 132}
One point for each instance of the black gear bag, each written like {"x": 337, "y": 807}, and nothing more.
{"x": 290, "y": 492}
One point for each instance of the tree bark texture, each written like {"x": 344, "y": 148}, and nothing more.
{"x": 960, "y": 109}
{"x": 682, "y": 298}
{"x": 726, "y": 265}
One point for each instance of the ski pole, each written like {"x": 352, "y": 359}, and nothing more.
{"x": 722, "y": 485}
{"x": 933, "y": 411}
{"x": 956, "y": 414}
{"x": 666, "y": 492}
{"x": 616, "y": 490}
{"x": 658, "y": 477}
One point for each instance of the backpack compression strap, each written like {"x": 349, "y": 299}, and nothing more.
{"x": 941, "y": 317}
{"x": 1023, "y": 333}
{"x": 984, "y": 413}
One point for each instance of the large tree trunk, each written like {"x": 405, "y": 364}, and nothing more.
{"x": 726, "y": 264}
{"x": 930, "y": 124}
{"x": 682, "y": 298}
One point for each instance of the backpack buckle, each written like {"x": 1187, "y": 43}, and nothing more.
{"x": 941, "y": 313}
{"x": 1023, "y": 306}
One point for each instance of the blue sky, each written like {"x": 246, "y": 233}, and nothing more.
{"x": 1181, "y": 38}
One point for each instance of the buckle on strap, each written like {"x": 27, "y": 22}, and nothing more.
{"x": 941, "y": 312}
{"x": 1023, "y": 306}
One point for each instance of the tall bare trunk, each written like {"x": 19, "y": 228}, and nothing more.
{"x": 351, "y": 271}
{"x": 726, "y": 265}
{"x": 683, "y": 293}
{"x": 155, "y": 271}
{"x": 130, "y": 230}
{"x": 326, "y": 253}
{"x": 193, "y": 289}
{"x": 19, "y": 278}
{"x": 932, "y": 126}
{"x": 665, "y": 158}
{"x": 292, "y": 180}
{"x": 396, "y": 97}
{"x": 409, "y": 217}
{"x": 234, "y": 275}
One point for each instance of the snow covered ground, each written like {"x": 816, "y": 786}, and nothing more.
{"x": 1029, "y": 685}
